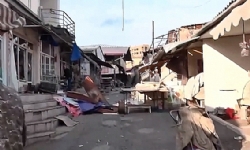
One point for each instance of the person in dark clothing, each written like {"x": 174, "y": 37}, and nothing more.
{"x": 68, "y": 76}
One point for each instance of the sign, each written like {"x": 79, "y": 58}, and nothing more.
{"x": 85, "y": 68}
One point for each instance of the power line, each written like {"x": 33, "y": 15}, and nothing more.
{"x": 197, "y": 6}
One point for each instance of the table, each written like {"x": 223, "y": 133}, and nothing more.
{"x": 155, "y": 91}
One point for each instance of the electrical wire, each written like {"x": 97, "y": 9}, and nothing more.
{"x": 197, "y": 6}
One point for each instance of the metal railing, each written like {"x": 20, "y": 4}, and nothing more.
{"x": 58, "y": 18}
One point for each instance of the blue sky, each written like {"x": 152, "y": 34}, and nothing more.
{"x": 100, "y": 21}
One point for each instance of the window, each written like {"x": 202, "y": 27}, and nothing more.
{"x": 47, "y": 63}
{"x": 23, "y": 59}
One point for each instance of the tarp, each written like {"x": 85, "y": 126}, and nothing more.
{"x": 76, "y": 53}
{"x": 86, "y": 106}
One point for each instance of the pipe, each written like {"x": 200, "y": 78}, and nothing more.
{"x": 31, "y": 26}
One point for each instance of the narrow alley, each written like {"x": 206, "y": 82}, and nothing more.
{"x": 136, "y": 131}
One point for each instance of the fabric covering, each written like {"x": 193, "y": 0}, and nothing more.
{"x": 86, "y": 106}
{"x": 76, "y": 53}
{"x": 193, "y": 86}
{"x": 12, "y": 120}
{"x": 9, "y": 19}
{"x": 197, "y": 129}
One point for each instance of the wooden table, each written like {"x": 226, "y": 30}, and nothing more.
{"x": 154, "y": 92}
{"x": 155, "y": 99}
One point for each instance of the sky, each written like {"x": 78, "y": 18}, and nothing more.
{"x": 100, "y": 21}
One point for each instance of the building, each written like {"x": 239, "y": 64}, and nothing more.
{"x": 93, "y": 68}
{"x": 114, "y": 55}
{"x": 41, "y": 47}
{"x": 226, "y": 58}
{"x": 183, "y": 33}
{"x": 136, "y": 54}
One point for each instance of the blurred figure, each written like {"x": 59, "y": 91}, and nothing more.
{"x": 68, "y": 76}
{"x": 156, "y": 77}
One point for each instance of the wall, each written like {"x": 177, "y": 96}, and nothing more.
{"x": 99, "y": 54}
{"x": 54, "y": 4}
{"x": 32, "y": 4}
{"x": 224, "y": 69}
{"x": 193, "y": 57}
{"x": 106, "y": 70}
{"x": 137, "y": 53}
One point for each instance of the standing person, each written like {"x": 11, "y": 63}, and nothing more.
{"x": 68, "y": 76}
{"x": 156, "y": 76}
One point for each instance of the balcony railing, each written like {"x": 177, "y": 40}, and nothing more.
{"x": 58, "y": 18}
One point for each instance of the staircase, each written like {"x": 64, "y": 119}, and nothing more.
{"x": 40, "y": 113}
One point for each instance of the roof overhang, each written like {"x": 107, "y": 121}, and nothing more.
{"x": 171, "y": 48}
{"x": 234, "y": 18}
{"x": 98, "y": 60}
{"x": 219, "y": 18}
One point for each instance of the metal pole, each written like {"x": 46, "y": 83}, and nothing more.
{"x": 153, "y": 38}
{"x": 122, "y": 15}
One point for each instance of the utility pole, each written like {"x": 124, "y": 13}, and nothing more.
{"x": 153, "y": 37}
{"x": 122, "y": 15}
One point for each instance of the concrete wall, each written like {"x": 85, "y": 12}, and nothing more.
{"x": 137, "y": 54}
{"x": 225, "y": 71}
{"x": 32, "y": 4}
{"x": 54, "y": 4}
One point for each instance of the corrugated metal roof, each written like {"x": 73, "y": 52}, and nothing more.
{"x": 114, "y": 50}
{"x": 220, "y": 16}
{"x": 89, "y": 48}
{"x": 225, "y": 8}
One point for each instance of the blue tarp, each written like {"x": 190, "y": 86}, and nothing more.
{"x": 76, "y": 53}
{"x": 86, "y": 106}
{"x": 70, "y": 101}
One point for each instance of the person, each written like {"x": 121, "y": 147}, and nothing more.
{"x": 156, "y": 76}
{"x": 68, "y": 76}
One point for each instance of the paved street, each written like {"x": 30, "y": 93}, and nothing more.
{"x": 138, "y": 131}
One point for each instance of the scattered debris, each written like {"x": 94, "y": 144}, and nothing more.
{"x": 67, "y": 121}
{"x": 80, "y": 145}
{"x": 238, "y": 138}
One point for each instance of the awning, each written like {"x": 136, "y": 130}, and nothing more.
{"x": 172, "y": 48}
{"x": 90, "y": 60}
{"x": 99, "y": 61}
{"x": 233, "y": 18}
{"x": 9, "y": 19}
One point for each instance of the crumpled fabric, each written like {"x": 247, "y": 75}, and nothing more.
{"x": 197, "y": 129}
{"x": 193, "y": 86}
{"x": 12, "y": 120}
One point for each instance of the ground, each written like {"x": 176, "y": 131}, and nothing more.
{"x": 136, "y": 131}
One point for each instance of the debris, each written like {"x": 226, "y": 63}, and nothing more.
{"x": 80, "y": 146}
{"x": 67, "y": 121}
{"x": 238, "y": 138}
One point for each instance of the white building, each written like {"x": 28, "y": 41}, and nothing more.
{"x": 38, "y": 56}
